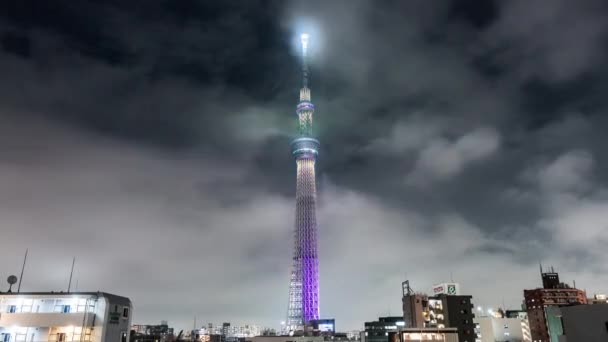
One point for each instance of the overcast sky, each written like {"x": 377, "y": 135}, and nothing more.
{"x": 150, "y": 140}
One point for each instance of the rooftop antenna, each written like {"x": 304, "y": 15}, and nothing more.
{"x": 304, "y": 41}
{"x": 11, "y": 280}
{"x": 22, "y": 268}
{"x": 71, "y": 274}
{"x": 541, "y": 272}
{"x": 451, "y": 277}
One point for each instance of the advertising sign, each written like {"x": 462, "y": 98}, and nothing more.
{"x": 452, "y": 289}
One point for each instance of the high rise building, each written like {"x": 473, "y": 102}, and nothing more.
{"x": 553, "y": 293}
{"x": 303, "y": 304}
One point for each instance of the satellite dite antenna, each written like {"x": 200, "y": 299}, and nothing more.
{"x": 12, "y": 280}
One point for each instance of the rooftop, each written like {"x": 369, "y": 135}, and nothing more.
{"x": 115, "y": 299}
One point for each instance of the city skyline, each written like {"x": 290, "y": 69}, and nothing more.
{"x": 152, "y": 142}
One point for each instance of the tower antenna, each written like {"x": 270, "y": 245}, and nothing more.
{"x": 71, "y": 274}
{"x": 22, "y": 268}
{"x": 304, "y": 41}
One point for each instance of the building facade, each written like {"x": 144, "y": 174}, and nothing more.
{"x": 523, "y": 319}
{"x": 64, "y": 317}
{"x": 587, "y": 323}
{"x": 500, "y": 329}
{"x": 286, "y": 339}
{"x": 428, "y": 334}
{"x": 385, "y": 329}
{"x": 415, "y": 310}
{"x": 152, "y": 333}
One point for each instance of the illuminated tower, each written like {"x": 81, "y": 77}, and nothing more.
{"x": 304, "y": 284}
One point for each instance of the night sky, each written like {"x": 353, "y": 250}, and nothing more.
{"x": 150, "y": 140}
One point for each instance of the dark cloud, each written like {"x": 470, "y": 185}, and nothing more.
{"x": 151, "y": 140}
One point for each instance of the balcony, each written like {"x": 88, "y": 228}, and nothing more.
{"x": 51, "y": 319}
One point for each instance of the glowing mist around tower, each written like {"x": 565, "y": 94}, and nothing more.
{"x": 304, "y": 284}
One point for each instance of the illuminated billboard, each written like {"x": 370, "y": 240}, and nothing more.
{"x": 451, "y": 289}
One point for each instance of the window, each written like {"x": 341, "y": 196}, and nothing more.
{"x": 115, "y": 308}
{"x": 12, "y": 309}
{"x": 123, "y": 337}
{"x": 78, "y": 334}
{"x": 606, "y": 325}
{"x": 125, "y": 312}
{"x": 62, "y": 308}
{"x": 61, "y": 337}
{"x": 27, "y": 305}
{"x": 6, "y": 337}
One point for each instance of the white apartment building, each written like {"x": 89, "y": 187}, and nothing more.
{"x": 497, "y": 328}
{"x": 64, "y": 317}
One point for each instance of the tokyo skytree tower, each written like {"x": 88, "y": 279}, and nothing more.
{"x": 304, "y": 284}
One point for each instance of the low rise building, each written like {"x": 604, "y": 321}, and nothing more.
{"x": 428, "y": 334}
{"x": 152, "y": 333}
{"x": 598, "y": 299}
{"x": 382, "y": 330}
{"x": 62, "y": 317}
{"x": 323, "y": 327}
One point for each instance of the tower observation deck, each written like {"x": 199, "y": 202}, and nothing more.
{"x": 304, "y": 282}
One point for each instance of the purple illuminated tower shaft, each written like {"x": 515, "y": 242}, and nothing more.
{"x": 304, "y": 285}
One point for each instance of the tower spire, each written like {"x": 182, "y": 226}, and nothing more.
{"x": 305, "y": 108}
{"x": 304, "y": 41}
